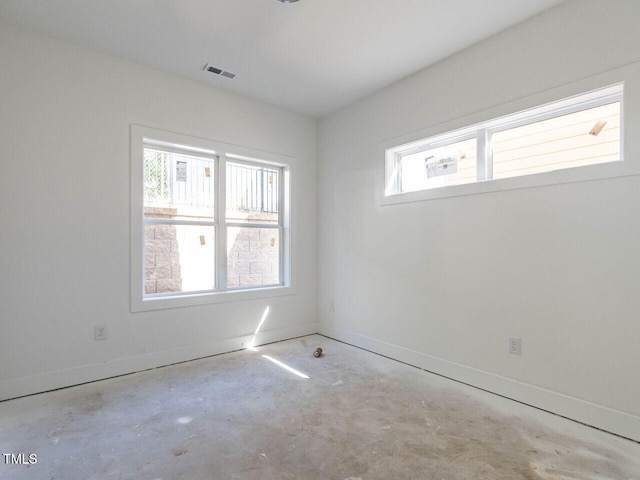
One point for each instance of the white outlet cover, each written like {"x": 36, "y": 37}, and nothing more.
{"x": 515, "y": 345}
{"x": 101, "y": 332}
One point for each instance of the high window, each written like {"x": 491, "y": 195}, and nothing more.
{"x": 575, "y": 132}
{"x": 209, "y": 221}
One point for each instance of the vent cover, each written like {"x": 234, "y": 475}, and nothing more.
{"x": 218, "y": 71}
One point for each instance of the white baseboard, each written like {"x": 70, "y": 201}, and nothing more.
{"x": 43, "y": 382}
{"x": 604, "y": 418}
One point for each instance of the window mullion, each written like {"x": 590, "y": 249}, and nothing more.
{"x": 221, "y": 230}
{"x": 484, "y": 170}
{"x": 397, "y": 172}
{"x": 171, "y": 221}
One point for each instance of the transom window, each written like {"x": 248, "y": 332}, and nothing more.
{"x": 212, "y": 221}
{"x": 574, "y": 132}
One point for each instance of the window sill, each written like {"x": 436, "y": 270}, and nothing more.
{"x": 209, "y": 298}
{"x": 557, "y": 177}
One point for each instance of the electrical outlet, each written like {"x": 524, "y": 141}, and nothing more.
{"x": 101, "y": 332}
{"x": 515, "y": 345}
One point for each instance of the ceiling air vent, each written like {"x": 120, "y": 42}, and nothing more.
{"x": 210, "y": 68}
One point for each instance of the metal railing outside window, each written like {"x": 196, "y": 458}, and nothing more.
{"x": 172, "y": 180}
{"x": 252, "y": 189}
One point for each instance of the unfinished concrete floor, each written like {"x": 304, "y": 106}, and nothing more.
{"x": 242, "y": 416}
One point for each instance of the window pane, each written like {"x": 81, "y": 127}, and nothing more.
{"x": 583, "y": 138}
{"x": 253, "y": 256}
{"x": 178, "y": 186}
{"x": 453, "y": 164}
{"x": 252, "y": 193}
{"x": 179, "y": 258}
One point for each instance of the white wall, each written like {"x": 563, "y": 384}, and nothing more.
{"x": 443, "y": 283}
{"x": 65, "y": 116}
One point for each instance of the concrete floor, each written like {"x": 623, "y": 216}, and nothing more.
{"x": 242, "y": 416}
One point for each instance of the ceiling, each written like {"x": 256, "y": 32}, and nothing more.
{"x": 312, "y": 57}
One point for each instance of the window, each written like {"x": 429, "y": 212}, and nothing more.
{"x": 433, "y": 165}
{"x": 254, "y": 227}
{"x": 575, "y": 132}
{"x": 585, "y": 137}
{"x": 207, "y": 220}
{"x": 179, "y": 221}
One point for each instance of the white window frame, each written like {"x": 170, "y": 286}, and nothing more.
{"x": 482, "y": 131}
{"x": 237, "y": 159}
{"x": 145, "y": 136}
